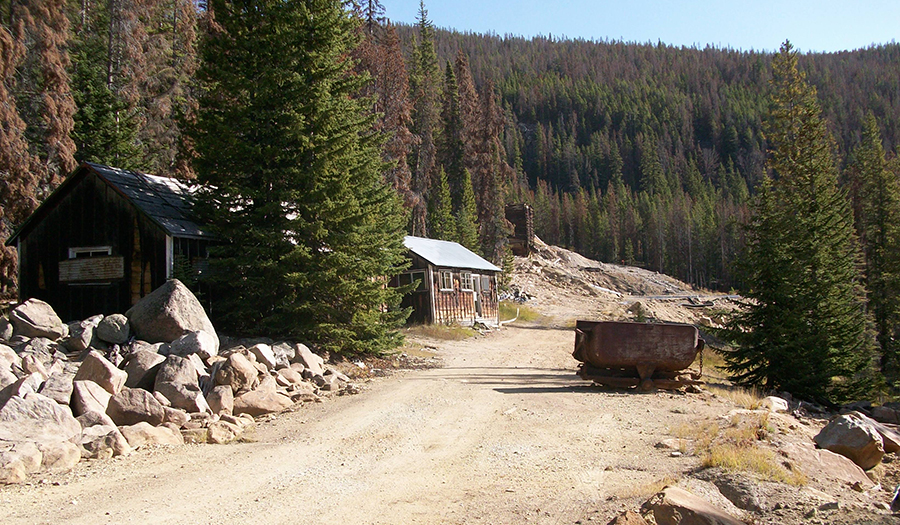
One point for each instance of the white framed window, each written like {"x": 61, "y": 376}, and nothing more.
{"x": 486, "y": 283}
{"x": 466, "y": 283}
{"x": 83, "y": 252}
{"x": 417, "y": 277}
{"x": 446, "y": 281}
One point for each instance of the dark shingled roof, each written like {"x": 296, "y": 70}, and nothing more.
{"x": 165, "y": 201}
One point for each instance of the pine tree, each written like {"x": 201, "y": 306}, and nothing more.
{"x": 292, "y": 179}
{"x": 441, "y": 224}
{"x": 466, "y": 216}
{"x": 805, "y": 330}
{"x": 877, "y": 205}
{"x": 426, "y": 115}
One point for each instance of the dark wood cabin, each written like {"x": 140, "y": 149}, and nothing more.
{"x": 105, "y": 238}
{"x": 455, "y": 286}
{"x": 521, "y": 216}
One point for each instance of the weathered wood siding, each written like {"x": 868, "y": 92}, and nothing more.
{"x": 91, "y": 214}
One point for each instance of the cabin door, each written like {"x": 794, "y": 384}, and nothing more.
{"x": 477, "y": 283}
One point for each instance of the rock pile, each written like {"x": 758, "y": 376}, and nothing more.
{"x": 156, "y": 375}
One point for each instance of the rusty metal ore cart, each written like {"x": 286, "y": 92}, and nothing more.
{"x": 648, "y": 355}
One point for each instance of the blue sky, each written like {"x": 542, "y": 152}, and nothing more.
{"x": 821, "y": 25}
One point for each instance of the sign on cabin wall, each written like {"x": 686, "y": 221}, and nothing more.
{"x": 91, "y": 269}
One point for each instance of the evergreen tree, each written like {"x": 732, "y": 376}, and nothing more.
{"x": 466, "y": 216}
{"x": 877, "y": 205}
{"x": 441, "y": 224}
{"x": 292, "y": 179}
{"x": 805, "y": 330}
{"x": 425, "y": 119}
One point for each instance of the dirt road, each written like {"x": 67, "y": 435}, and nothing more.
{"x": 503, "y": 433}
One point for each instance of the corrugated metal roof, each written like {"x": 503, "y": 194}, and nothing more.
{"x": 162, "y": 199}
{"x": 446, "y": 253}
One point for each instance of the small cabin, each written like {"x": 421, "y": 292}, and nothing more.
{"x": 454, "y": 285}
{"x": 105, "y": 238}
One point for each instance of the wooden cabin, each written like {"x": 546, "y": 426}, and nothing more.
{"x": 105, "y": 238}
{"x": 455, "y": 286}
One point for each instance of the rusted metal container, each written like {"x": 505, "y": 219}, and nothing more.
{"x": 630, "y": 354}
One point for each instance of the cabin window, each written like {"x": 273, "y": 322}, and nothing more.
{"x": 485, "y": 283}
{"x": 446, "y": 281}
{"x": 466, "y": 282}
{"x": 83, "y": 252}
{"x": 413, "y": 277}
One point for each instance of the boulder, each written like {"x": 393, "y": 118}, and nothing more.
{"x": 200, "y": 343}
{"x": 221, "y": 400}
{"x": 168, "y": 313}
{"x": 144, "y": 433}
{"x": 21, "y": 386}
{"x": 675, "y": 506}
{"x": 884, "y": 414}
{"x": 264, "y": 355}
{"x": 177, "y": 417}
{"x": 93, "y": 419}
{"x": 141, "y": 367}
{"x": 59, "y": 456}
{"x": 134, "y": 405}
{"x": 291, "y": 376}
{"x": 9, "y": 358}
{"x": 195, "y": 436}
{"x": 88, "y": 396}
{"x": 6, "y": 329}
{"x": 852, "y": 437}
{"x": 114, "y": 329}
{"x": 774, "y": 404}
{"x": 309, "y": 360}
{"x": 177, "y": 381}
{"x": 17, "y": 460}
{"x": 283, "y": 354}
{"x": 43, "y": 349}
{"x": 58, "y": 387}
{"x": 889, "y": 436}
{"x": 221, "y": 432}
{"x": 259, "y": 402}
{"x": 823, "y": 464}
{"x": 202, "y": 372}
{"x": 81, "y": 334}
{"x": 104, "y": 441}
{"x": 32, "y": 365}
{"x": 35, "y": 318}
{"x": 6, "y": 378}
{"x": 98, "y": 369}
{"x": 37, "y": 418}
{"x": 238, "y": 373}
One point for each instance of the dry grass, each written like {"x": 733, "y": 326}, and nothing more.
{"x": 509, "y": 310}
{"x": 737, "y": 447}
{"x": 441, "y": 332}
{"x": 749, "y": 399}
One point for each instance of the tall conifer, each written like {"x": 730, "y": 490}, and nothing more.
{"x": 805, "y": 330}
{"x": 293, "y": 179}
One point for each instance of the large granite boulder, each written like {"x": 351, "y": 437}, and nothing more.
{"x": 675, "y": 506}
{"x": 17, "y": 460}
{"x": 88, "y": 396}
{"x": 850, "y": 436}
{"x": 58, "y": 387}
{"x": 177, "y": 380}
{"x": 100, "y": 370}
{"x": 144, "y": 433}
{"x": 37, "y": 418}
{"x": 133, "y": 405}
{"x": 104, "y": 441}
{"x": 201, "y": 343}
{"x": 35, "y": 318}
{"x": 168, "y": 313}
{"x": 221, "y": 400}
{"x": 238, "y": 373}
{"x": 141, "y": 366}
{"x": 114, "y": 329}
{"x": 310, "y": 361}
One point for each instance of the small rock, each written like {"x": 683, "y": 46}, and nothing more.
{"x": 98, "y": 369}
{"x": 144, "y": 433}
{"x": 59, "y": 456}
{"x": 134, "y": 405}
{"x": 774, "y": 404}
{"x": 309, "y": 360}
{"x": 141, "y": 366}
{"x": 221, "y": 432}
{"x": 199, "y": 342}
{"x": 221, "y": 400}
